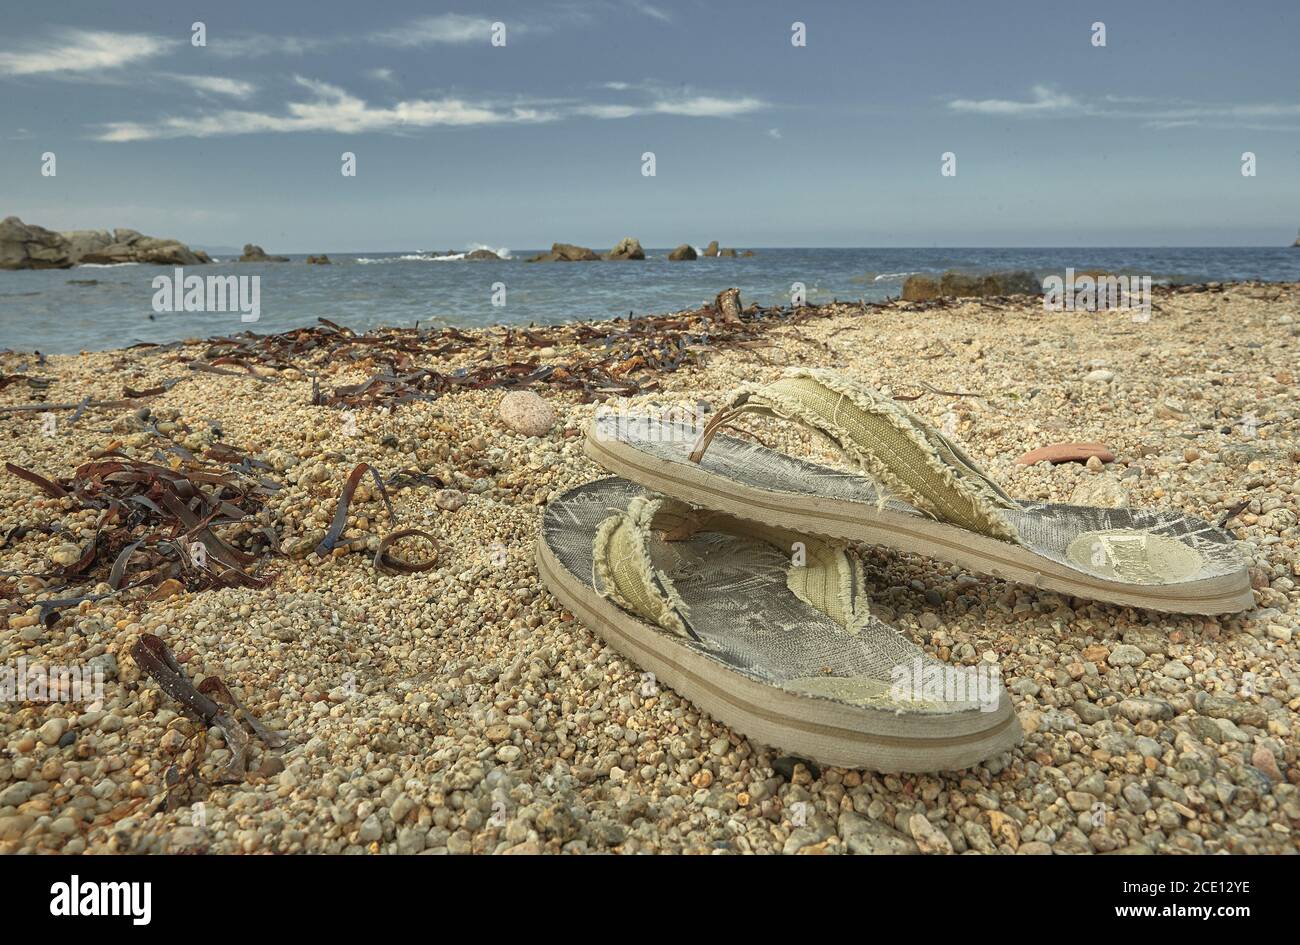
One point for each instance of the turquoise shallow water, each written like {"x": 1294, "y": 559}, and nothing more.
{"x": 50, "y": 312}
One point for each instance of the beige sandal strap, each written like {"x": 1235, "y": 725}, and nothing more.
{"x": 901, "y": 452}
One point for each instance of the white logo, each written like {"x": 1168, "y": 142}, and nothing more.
{"x": 918, "y": 681}
{"x": 1098, "y": 294}
{"x": 73, "y": 898}
{"x": 184, "y": 293}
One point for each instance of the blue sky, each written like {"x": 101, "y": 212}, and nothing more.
{"x": 757, "y": 142}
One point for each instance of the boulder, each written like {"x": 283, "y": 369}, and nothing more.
{"x": 255, "y": 253}
{"x": 31, "y": 247}
{"x": 23, "y": 246}
{"x": 711, "y": 249}
{"x": 482, "y": 254}
{"x": 960, "y": 285}
{"x": 565, "y": 252}
{"x": 318, "y": 260}
{"x": 728, "y": 252}
{"x": 920, "y": 289}
{"x": 748, "y": 252}
{"x": 682, "y": 253}
{"x": 627, "y": 248}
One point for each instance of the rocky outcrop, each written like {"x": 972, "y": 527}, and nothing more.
{"x": 478, "y": 255}
{"x": 728, "y": 252}
{"x": 627, "y": 248}
{"x": 318, "y": 260}
{"x": 255, "y": 254}
{"x": 954, "y": 284}
{"x": 747, "y": 253}
{"x": 682, "y": 253}
{"x": 565, "y": 252}
{"x": 25, "y": 246}
{"x": 711, "y": 249}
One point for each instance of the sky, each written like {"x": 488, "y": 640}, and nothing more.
{"x": 758, "y": 141}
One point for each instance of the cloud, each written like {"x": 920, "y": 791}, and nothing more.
{"x": 708, "y": 106}
{"x": 1154, "y": 113}
{"x": 255, "y": 45}
{"x": 381, "y": 75}
{"x": 444, "y": 28}
{"x": 1045, "y": 101}
{"x": 330, "y": 109}
{"x": 774, "y": 133}
{"x": 82, "y": 51}
{"x": 655, "y": 13}
{"x": 220, "y": 85}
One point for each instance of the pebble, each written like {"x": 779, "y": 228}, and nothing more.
{"x": 526, "y": 413}
{"x": 928, "y": 837}
{"x": 1057, "y": 453}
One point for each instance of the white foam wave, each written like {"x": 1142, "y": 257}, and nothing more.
{"x": 105, "y": 265}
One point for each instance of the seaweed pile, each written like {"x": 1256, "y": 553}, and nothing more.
{"x": 157, "y": 523}
{"x": 622, "y": 357}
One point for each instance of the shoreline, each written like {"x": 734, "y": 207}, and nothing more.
{"x": 460, "y": 709}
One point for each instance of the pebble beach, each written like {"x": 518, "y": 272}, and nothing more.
{"x": 458, "y": 708}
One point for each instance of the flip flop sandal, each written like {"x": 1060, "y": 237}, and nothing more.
{"x": 920, "y": 492}
{"x": 767, "y": 631}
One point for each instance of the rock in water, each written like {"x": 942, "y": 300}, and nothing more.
{"x": 684, "y": 252}
{"x": 627, "y": 248}
{"x": 526, "y": 413}
{"x": 23, "y": 246}
{"x": 255, "y": 253}
{"x": 1056, "y": 453}
{"x": 565, "y": 252}
{"x": 318, "y": 260}
{"x": 711, "y": 249}
{"x": 954, "y": 284}
{"x": 728, "y": 305}
{"x": 482, "y": 254}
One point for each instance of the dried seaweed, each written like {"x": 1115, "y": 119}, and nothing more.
{"x": 341, "y": 512}
{"x": 156, "y": 661}
{"x": 391, "y": 565}
{"x": 157, "y": 523}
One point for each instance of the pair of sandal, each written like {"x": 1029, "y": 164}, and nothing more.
{"x": 721, "y": 567}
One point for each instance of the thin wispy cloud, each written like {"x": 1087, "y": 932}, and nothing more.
{"x": 330, "y": 109}
{"x": 218, "y": 85}
{"x": 446, "y": 28}
{"x": 333, "y": 109}
{"x": 654, "y": 12}
{"x": 1156, "y": 113}
{"x": 82, "y": 51}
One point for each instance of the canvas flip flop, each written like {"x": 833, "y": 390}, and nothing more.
{"x": 919, "y": 491}
{"x": 767, "y": 631}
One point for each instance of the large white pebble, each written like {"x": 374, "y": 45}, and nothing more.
{"x": 526, "y": 413}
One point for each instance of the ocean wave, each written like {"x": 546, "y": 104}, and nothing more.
{"x": 881, "y": 277}
{"x": 105, "y": 265}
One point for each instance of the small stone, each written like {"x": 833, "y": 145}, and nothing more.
{"x": 526, "y": 413}
{"x": 1126, "y": 655}
{"x": 1266, "y": 761}
{"x": 1100, "y": 491}
{"x": 1100, "y": 376}
{"x": 1074, "y": 452}
{"x": 928, "y": 837}
{"x": 65, "y": 555}
{"x": 52, "y": 731}
{"x": 449, "y": 500}
{"x": 868, "y": 837}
